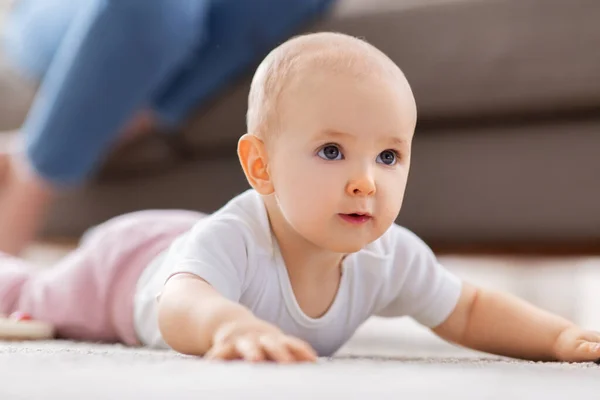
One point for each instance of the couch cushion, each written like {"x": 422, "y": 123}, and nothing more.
{"x": 469, "y": 58}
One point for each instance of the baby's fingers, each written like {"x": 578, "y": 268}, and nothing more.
{"x": 250, "y": 350}
{"x": 586, "y": 351}
{"x": 302, "y": 351}
{"x": 276, "y": 349}
{"x": 222, "y": 351}
{"x": 591, "y": 336}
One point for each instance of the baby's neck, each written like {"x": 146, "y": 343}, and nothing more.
{"x": 314, "y": 273}
{"x": 307, "y": 262}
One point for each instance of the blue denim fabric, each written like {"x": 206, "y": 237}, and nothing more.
{"x": 100, "y": 61}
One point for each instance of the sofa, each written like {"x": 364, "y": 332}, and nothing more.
{"x": 505, "y": 153}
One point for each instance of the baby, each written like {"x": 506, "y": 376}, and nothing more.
{"x": 288, "y": 270}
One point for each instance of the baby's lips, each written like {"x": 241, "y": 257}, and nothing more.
{"x": 359, "y": 213}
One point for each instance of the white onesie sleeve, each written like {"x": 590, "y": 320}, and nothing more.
{"x": 419, "y": 286}
{"x": 214, "y": 250}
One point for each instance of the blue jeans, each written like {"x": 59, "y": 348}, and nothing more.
{"x": 101, "y": 61}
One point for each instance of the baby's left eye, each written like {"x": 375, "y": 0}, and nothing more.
{"x": 387, "y": 157}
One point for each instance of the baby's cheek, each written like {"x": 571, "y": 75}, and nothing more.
{"x": 391, "y": 197}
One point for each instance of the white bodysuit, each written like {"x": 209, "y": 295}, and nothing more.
{"x": 235, "y": 251}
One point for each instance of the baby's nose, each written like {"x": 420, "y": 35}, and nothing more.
{"x": 364, "y": 185}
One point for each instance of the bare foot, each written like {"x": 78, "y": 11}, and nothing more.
{"x": 24, "y": 202}
{"x": 7, "y": 146}
{"x": 3, "y": 167}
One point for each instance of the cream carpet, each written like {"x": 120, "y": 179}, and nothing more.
{"x": 386, "y": 359}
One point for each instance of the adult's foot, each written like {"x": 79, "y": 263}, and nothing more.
{"x": 7, "y": 147}
{"x": 24, "y": 202}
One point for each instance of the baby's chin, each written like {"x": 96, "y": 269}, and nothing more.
{"x": 346, "y": 246}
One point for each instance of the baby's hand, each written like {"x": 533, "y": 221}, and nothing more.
{"x": 256, "y": 340}
{"x": 576, "y": 345}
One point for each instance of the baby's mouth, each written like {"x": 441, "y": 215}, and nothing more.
{"x": 356, "y": 218}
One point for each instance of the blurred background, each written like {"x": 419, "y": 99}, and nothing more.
{"x": 505, "y": 178}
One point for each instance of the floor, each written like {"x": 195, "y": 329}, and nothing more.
{"x": 415, "y": 367}
{"x": 385, "y": 359}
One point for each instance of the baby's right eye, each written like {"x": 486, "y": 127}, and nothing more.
{"x": 330, "y": 152}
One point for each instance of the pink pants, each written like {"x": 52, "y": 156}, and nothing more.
{"x": 89, "y": 294}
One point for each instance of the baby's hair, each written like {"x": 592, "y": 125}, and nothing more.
{"x": 333, "y": 52}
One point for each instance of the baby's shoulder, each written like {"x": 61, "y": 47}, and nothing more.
{"x": 241, "y": 222}
{"x": 384, "y": 267}
{"x": 387, "y": 261}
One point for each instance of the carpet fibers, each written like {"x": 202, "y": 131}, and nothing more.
{"x": 386, "y": 359}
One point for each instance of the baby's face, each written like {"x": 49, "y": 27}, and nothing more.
{"x": 340, "y": 164}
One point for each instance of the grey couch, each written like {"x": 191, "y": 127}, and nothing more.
{"x": 506, "y": 147}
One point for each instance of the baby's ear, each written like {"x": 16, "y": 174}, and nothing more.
{"x": 253, "y": 157}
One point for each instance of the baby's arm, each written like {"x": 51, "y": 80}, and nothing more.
{"x": 502, "y": 324}
{"x": 195, "y": 319}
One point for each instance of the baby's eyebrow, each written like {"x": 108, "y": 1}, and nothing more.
{"x": 333, "y": 134}
{"x": 398, "y": 141}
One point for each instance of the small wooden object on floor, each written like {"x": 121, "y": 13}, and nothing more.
{"x": 20, "y": 327}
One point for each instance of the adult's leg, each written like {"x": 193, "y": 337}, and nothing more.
{"x": 240, "y": 34}
{"x": 112, "y": 59}
{"x": 33, "y": 32}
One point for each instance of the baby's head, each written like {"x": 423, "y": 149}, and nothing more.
{"x": 330, "y": 124}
